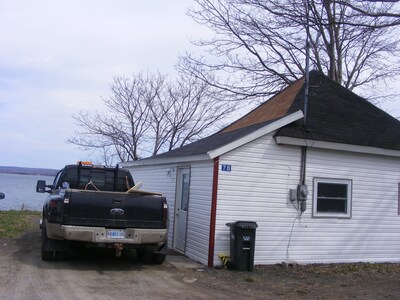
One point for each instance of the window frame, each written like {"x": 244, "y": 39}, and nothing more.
{"x": 349, "y": 198}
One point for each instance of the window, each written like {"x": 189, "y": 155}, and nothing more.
{"x": 332, "y": 198}
{"x": 103, "y": 179}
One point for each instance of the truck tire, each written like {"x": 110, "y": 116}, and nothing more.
{"x": 159, "y": 258}
{"x": 46, "y": 254}
{"x": 144, "y": 256}
{"x": 148, "y": 257}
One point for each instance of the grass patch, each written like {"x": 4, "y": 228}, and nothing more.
{"x": 13, "y": 223}
{"x": 302, "y": 292}
{"x": 248, "y": 279}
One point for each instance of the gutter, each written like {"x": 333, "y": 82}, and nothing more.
{"x": 164, "y": 160}
{"x": 284, "y": 140}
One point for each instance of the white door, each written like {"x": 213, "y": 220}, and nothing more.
{"x": 181, "y": 208}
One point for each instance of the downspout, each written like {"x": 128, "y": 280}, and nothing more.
{"x": 305, "y": 109}
{"x": 302, "y": 188}
{"x": 307, "y": 70}
{"x": 213, "y": 215}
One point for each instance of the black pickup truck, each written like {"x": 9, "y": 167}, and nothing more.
{"x": 96, "y": 206}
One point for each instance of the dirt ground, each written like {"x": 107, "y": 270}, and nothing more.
{"x": 99, "y": 275}
{"x": 336, "y": 281}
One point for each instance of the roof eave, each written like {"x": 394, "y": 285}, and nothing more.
{"x": 256, "y": 134}
{"x": 285, "y": 140}
{"x": 164, "y": 160}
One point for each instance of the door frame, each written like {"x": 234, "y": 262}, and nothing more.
{"x": 177, "y": 207}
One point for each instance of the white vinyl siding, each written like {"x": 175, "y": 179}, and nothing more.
{"x": 198, "y": 229}
{"x": 257, "y": 189}
{"x": 162, "y": 178}
{"x": 373, "y": 232}
{"x": 398, "y": 200}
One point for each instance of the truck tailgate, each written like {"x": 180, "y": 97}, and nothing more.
{"x": 113, "y": 209}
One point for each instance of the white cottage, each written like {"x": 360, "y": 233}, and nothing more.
{"x": 347, "y": 154}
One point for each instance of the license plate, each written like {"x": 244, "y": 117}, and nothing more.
{"x": 115, "y": 234}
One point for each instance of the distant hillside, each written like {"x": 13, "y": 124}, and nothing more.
{"x": 28, "y": 171}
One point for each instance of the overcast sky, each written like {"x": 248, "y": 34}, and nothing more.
{"x": 59, "y": 57}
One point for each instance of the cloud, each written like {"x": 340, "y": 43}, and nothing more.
{"x": 59, "y": 57}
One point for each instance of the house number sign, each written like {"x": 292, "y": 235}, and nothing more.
{"x": 226, "y": 168}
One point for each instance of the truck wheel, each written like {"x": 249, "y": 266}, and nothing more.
{"x": 144, "y": 256}
{"x": 159, "y": 258}
{"x": 148, "y": 257}
{"x": 45, "y": 254}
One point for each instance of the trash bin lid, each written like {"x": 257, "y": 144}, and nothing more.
{"x": 230, "y": 224}
{"x": 246, "y": 224}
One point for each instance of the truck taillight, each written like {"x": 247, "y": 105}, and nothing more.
{"x": 165, "y": 213}
{"x": 53, "y": 203}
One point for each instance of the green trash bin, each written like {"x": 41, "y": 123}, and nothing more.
{"x": 242, "y": 244}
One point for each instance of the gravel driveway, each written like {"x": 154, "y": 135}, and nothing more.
{"x": 99, "y": 275}
{"x": 95, "y": 274}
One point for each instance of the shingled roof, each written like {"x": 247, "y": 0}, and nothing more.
{"x": 337, "y": 115}
{"x": 214, "y": 141}
{"x": 334, "y": 114}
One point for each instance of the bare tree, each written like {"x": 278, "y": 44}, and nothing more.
{"x": 193, "y": 111}
{"x": 149, "y": 114}
{"x": 125, "y": 124}
{"x": 259, "y": 46}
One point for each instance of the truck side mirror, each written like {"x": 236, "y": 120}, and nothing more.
{"x": 2, "y": 196}
{"x": 41, "y": 186}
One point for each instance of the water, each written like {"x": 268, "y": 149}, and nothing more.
{"x": 20, "y": 191}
